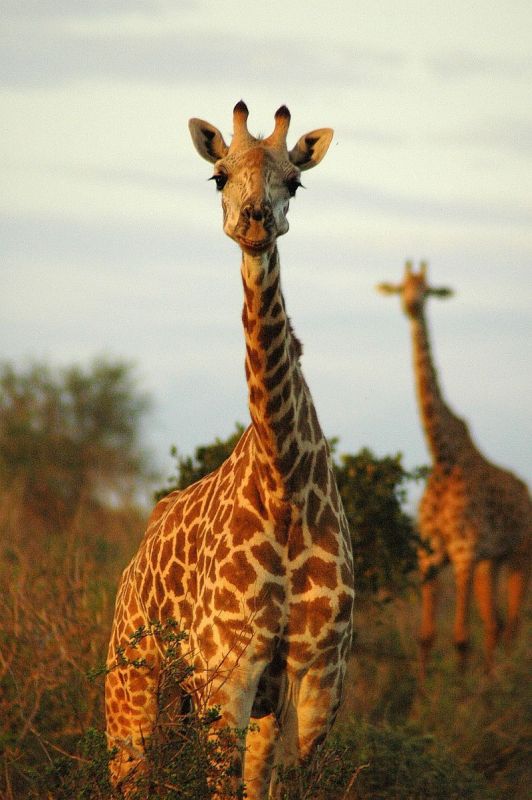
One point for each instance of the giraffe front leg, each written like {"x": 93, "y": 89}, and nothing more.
{"x": 131, "y": 711}
{"x": 463, "y": 573}
{"x": 233, "y": 693}
{"x": 517, "y": 582}
{"x": 309, "y": 710}
{"x": 261, "y": 742}
{"x": 431, "y": 558}
{"x": 427, "y": 631}
{"x": 485, "y": 594}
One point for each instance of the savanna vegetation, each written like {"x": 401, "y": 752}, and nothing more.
{"x": 72, "y": 470}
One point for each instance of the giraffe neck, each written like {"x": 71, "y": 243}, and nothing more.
{"x": 445, "y": 433}
{"x": 282, "y": 412}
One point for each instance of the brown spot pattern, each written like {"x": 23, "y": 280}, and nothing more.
{"x": 315, "y": 571}
{"x": 238, "y": 571}
{"x": 268, "y": 558}
{"x": 219, "y": 555}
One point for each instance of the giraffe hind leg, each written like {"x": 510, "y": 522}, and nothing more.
{"x": 485, "y": 593}
{"x": 431, "y": 558}
{"x": 517, "y": 583}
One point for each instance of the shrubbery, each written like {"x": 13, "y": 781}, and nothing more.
{"x": 465, "y": 738}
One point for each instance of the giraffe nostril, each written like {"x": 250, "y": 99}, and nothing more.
{"x": 248, "y": 211}
{"x": 257, "y": 212}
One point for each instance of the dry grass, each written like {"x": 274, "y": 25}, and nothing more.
{"x": 485, "y": 721}
{"x": 58, "y": 593}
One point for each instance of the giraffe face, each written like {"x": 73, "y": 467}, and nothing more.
{"x": 257, "y": 177}
{"x": 414, "y": 290}
{"x": 256, "y": 186}
{"x": 414, "y": 293}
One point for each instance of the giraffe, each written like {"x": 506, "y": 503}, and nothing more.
{"x": 255, "y": 559}
{"x": 472, "y": 514}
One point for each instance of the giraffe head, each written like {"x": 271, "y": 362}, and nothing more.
{"x": 414, "y": 289}
{"x": 257, "y": 176}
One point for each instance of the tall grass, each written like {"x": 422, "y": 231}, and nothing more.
{"x": 464, "y": 737}
{"x": 57, "y": 593}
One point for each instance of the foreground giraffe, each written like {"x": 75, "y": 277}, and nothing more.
{"x": 472, "y": 513}
{"x": 255, "y": 559}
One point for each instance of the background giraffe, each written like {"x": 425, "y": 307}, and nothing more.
{"x": 255, "y": 559}
{"x": 472, "y": 513}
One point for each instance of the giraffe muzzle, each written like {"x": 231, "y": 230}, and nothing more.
{"x": 255, "y": 246}
{"x": 256, "y": 230}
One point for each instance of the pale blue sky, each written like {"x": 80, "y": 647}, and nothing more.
{"x": 112, "y": 237}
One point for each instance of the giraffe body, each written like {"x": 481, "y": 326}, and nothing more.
{"x": 473, "y": 513}
{"x": 254, "y": 561}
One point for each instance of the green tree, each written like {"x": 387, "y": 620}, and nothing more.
{"x": 206, "y": 458}
{"x": 374, "y": 492}
{"x": 70, "y": 435}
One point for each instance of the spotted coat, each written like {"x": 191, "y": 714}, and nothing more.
{"x": 254, "y": 561}
{"x": 472, "y": 513}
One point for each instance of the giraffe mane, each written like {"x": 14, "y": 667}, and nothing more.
{"x": 296, "y": 343}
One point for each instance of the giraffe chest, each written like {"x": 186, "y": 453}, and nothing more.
{"x": 266, "y": 578}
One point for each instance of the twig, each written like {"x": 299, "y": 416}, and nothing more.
{"x": 352, "y": 779}
{"x": 42, "y": 739}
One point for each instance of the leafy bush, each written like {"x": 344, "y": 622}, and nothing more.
{"x": 374, "y": 492}
{"x": 401, "y": 764}
{"x": 369, "y": 762}
{"x": 206, "y": 459}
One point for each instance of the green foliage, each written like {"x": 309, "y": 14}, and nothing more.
{"x": 370, "y": 762}
{"x": 403, "y": 765}
{"x": 206, "y": 459}
{"x": 82, "y": 776}
{"x": 486, "y": 720}
{"x": 70, "y": 435}
{"x": 373, "y": 492}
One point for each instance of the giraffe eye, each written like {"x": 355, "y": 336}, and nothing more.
{"x": 220, "y": 180}
{"x": 293, "y": 184}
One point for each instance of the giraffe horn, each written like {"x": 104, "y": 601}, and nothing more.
{"x": 240, "y": 126}
{"x": 408, "y": 267}
{"x": 423, "y": 268}
{"x": 282, "y": 123}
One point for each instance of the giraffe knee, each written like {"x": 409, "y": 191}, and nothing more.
{"x": 308, "y": 747}
{"x": 124, "y": 770}
{"x": 426, "y": 640}
{"x": 127, "y": 762}
{"x": 462, "y": 646}
{"x": 509, "y": 634}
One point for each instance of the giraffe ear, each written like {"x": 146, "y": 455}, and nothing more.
{"x": 207, "y": 140}
{"x": 389, "y": 288}
{"x": 440, "y": 292}
{"x": 311, "y": 148}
